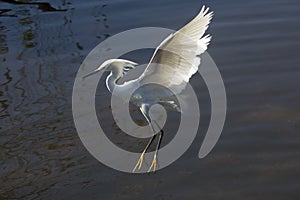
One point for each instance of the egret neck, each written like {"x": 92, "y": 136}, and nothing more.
{"x": 113, "y": 77}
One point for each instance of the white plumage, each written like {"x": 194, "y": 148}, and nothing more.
{"x": 173, "y": 63}
{"x": 176, "y": 59}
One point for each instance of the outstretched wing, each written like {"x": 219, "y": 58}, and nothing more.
{"x": 176, "y": 59}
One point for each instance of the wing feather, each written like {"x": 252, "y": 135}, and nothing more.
{"x": 176, "y": 59}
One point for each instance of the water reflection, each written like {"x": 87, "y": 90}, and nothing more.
{"x": 39, "y": 56}
{"x": 3, "y": 45}
{"x": 43, "y": 6}
{"x": 6, "y": 13}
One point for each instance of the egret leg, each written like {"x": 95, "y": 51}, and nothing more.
{"x": 154, "y": 164}
{"x": 141, "y": 159}
{"x": 142, "y": 109}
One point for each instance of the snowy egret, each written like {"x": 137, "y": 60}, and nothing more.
{"x": 173, "y": 63}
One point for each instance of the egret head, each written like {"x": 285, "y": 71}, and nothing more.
{"x": 116, "y": 65}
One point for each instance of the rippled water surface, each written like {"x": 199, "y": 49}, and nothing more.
{"x": 256, "y": 45}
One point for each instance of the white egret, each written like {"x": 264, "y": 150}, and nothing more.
{"x": 173, "y": 63}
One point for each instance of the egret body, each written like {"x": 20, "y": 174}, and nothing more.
{"x": 173, "y": 63}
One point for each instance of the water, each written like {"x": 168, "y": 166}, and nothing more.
{"x": 255, "y": 45}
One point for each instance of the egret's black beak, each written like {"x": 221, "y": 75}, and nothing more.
{"x": 94, "y": 72}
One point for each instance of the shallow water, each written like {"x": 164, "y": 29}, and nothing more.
{"x": 255, "y": 45}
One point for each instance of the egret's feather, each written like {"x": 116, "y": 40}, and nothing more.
{"x": 128, "y": 66}
{"x": 176, "y": 59}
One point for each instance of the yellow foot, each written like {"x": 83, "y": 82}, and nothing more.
{"x": 154, "y": 164}
{"x": 139, "y": 163}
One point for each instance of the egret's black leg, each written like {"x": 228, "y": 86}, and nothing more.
{"x": 159, "y": 140}
{"x": 160, "y": 129}
{"x": 160, "y": 135}
{"x": 141, "y": 159}
{"x": 154, "y": 164}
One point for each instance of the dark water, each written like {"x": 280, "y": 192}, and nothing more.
{"x": 256, "y": 46}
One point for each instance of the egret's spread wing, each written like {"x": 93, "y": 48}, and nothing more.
{"x": 176, "y": 59}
